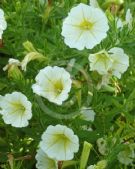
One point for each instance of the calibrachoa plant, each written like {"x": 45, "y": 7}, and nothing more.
{"x": 67, "y": 78}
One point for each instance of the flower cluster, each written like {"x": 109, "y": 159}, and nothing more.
{"x": 114, "y": 62}
{"x": 85, "y": 27}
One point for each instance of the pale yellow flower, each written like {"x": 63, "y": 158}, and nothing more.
{"x": 59, "y": 142}
{"x": 85, "y": 27}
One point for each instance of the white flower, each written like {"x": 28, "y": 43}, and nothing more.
{"x": 44, "y": 162}
{"x": 85, "y": 26}
{"x": 120, "y": 61}
{"x": 126, "y": 156}
{"x": 3, "y": 23}
{"x": 114, "y": 62}
{"x": 53, "y": 83}
{"x": 12, "y": 62}
{"x": 94, "y": 3}
{"x": 16, "y": 109}
{"x": 87, "y": 114}
{"x": 92, "y": 167}
{"x": 59, "y": 143}
{"x": 129, "y": 19}
{"x": 100, "y": 62}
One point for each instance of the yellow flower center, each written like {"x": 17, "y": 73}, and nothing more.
{"x": 62, "y": 138}
{"x": 102, "y": 57}
{"x": 18, "y": 108}
{"x": 58, "y": 87}
{"x": 86, "y": 25}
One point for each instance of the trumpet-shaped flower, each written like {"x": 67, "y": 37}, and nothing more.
{"x": 59, "y": 143}
{"x": 3, "y": 23}
{"x": 53, "y": 83}
{"x": 114, "y": 62}
{"x": 85, "y": 27}
{"x": 120, "y": 61}
{"x": 100, "y": 62}
{"x": 44, "y": 162}
{"x": 15, "y": 109}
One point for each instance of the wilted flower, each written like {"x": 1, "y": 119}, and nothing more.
{"x": 44, "y": 162}
{"x": 120, "y": 61}
{"x": 53, "y": 83}
{"x": 30, "y": 57}
{"x": 104, "y": 81}
{"x": 59, "y": 142}
{"x": 3, "y": 23}
{"x": 87, "y": 114}
{"x": 102, "y": 146}
{"x": 85, "y": 26}
{"x": 12, "y": 62}
{"x": 100, "y": 62}
{"x": 16, "y": 109}
{"x": 13, "y": 69}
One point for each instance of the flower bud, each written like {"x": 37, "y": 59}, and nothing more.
{"x": 101, "y": 164}
{"x": 14, "y": 73}
{"x": 29, "y": 46}
{"x": 85, "y": 154}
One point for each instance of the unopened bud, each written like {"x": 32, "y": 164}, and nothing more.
{"x": 101, "y": 164}
{"x": 29, "y": 46}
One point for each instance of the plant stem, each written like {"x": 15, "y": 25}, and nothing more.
{"x": 60, "y": 164}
